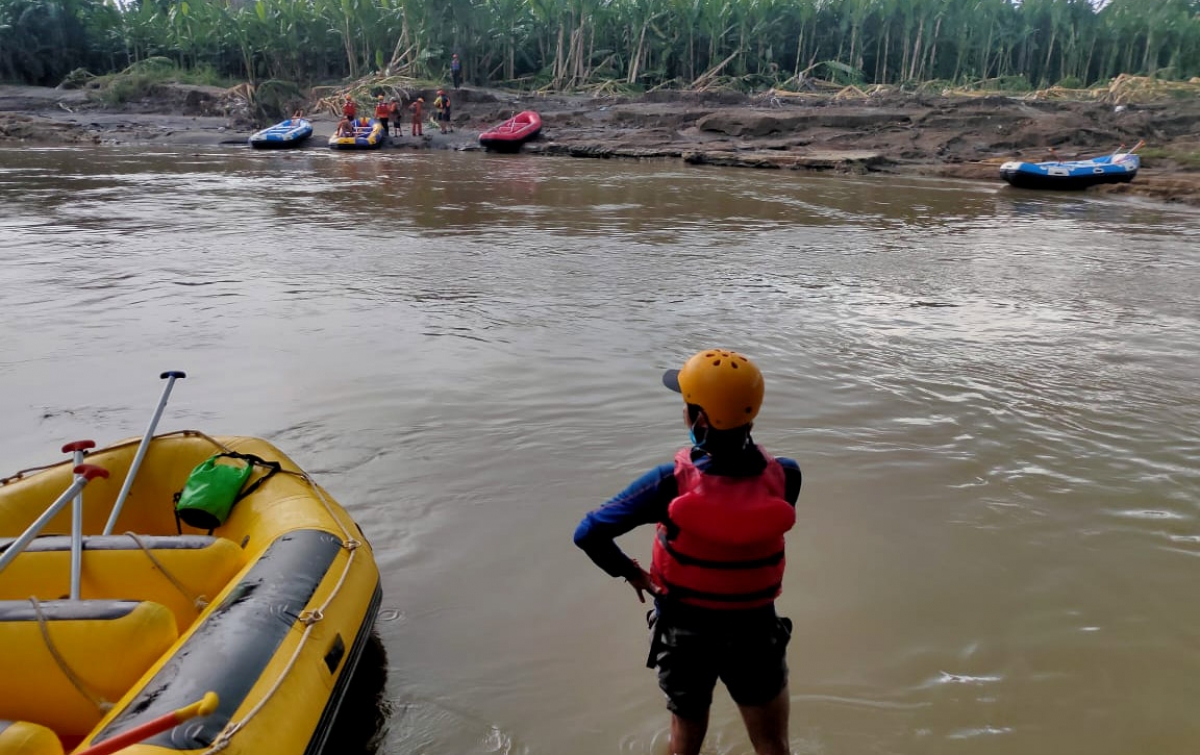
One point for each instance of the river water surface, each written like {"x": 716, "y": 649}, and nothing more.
{"x": 992, "y": 394}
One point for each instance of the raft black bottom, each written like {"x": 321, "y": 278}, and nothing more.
{"x": 1023, "y": 180}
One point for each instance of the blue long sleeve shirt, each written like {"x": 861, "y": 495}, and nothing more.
{"x": 645, "y": 501}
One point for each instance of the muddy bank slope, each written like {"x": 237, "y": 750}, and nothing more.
{"x": 964, "y": 137}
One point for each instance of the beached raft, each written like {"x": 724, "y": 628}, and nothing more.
{"x": 270, "y": 609}
{"x": 512, "y": 134}
{"x": 368, "y": 134}
{"x": 290, "y": 133}
{"x": 1072, "y": 175}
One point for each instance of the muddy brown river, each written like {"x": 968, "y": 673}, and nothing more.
{"x": 992, "y": 394}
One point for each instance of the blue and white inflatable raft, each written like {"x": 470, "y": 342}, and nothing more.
{"x": 1072, "y": 175}
{"x": 290, "y": 133}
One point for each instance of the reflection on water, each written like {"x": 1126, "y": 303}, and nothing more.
{"x": 991, "y": 392}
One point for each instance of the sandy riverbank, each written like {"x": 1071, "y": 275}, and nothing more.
{"x": 962, "y": 137}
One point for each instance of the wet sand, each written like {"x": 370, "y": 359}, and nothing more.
{"x": 961, "y": 137}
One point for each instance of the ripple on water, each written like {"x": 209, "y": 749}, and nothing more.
{"x": 981, "y": 731}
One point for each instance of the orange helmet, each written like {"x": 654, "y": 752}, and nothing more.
{"x": 725, "y": 384}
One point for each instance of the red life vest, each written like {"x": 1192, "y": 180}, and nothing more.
{"x": 722, "y": 546}
{"x": 382, "y": 110}
{"x": 349, "y": 110}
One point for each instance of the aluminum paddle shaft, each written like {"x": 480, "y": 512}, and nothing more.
{"x": 84, "y": 473}
{"x": 170, "y": 377}
{"x": 78, "y": 448}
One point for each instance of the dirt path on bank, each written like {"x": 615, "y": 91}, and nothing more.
{"x": 962, "y": 137}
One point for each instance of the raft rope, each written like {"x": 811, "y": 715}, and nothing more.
{"x": 309, "y": 618}
{"x": 103, "y": 705}
{"x": 199, "y": 601}
{"x": 22, "y": 474}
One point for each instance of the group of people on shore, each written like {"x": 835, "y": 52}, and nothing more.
{"x": 389, "y": 114}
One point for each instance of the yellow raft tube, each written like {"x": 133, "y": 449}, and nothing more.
{"x": 271, "y": 610}
{"x": 368, "y": 134}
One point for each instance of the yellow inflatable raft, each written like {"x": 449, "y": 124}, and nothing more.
{"x": 270, "y": 610}
{"x": 368, "y": 134}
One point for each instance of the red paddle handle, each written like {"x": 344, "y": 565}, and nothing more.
{"x": 90, "y": 472}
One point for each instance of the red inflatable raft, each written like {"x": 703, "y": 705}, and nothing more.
{"x": 510, "y": 135}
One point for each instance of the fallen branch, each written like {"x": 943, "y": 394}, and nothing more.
{"x": 707, "y": 77}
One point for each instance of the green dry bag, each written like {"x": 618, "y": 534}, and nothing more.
{"x": 213, "y": 488}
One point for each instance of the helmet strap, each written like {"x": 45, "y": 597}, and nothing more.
{"x": 697, "y": 433}
{"x": 700, "y": 433}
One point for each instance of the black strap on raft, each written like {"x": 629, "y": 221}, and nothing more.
{"x": 255, "y": 461}
{"x": 271, "y": 468}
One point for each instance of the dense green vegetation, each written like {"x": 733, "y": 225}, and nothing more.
{"x": 637, "y": 43}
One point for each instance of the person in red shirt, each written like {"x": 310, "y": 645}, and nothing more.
{"x": 417, "y": 108}
{"x": 350, "y": 110}
{"x": 382, "y": 111}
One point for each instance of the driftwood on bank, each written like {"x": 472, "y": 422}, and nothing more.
{"x": 846, "y": 161}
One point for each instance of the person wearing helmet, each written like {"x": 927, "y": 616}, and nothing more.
{"x": 382, "y": 111}
{"x": 441, "y": 109}
{"x": 350, "y": 110}
{"x": 721, "y": 510}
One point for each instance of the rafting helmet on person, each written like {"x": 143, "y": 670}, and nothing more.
{"x": 726, "y": 385}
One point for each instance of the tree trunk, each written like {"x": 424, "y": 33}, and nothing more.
{"x": 887, "y": 41}
{"x": 1049, "y": 50}
{"x": 349, "y": 41}
{"x": 799, "y": 50}
{"x": 395, "y": 64}
{"x": 558, "y": 57}
{"x": 636, "y": 61}
{"x": 916, "y": 53}
{"x": 937, "y": 28}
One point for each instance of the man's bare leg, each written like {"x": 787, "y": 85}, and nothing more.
{"x": 768, "y": 725}
{"x": 687, "y": 734}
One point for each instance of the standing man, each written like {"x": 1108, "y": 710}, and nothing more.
{"x": 396, "y": 115}
{"x": 441, "y": 107}
{"x": 382, "y": 111}
{"x": 721, "y": 511}
{"x": 350, "y": 110}
{"x": 456, "y": 70}
{"x": 416, "y": 108}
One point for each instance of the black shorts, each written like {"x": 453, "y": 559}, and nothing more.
{"x": 693, "y": 648}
